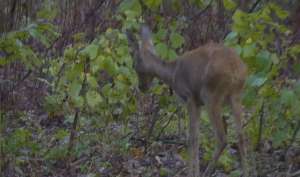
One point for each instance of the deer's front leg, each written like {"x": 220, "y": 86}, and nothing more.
{"x": 193, "y": 141}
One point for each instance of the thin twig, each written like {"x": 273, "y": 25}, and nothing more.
{"x": 261, "y": 122}
{"x": 77, "y": 111}
{"x": 180, "y": 171}
{"x": 254, "y": 6}
{"x": 154, "y": 120}
{"x": 171, "y": 118}
{"x": 297, "y": 173}
{"x": 17, "y": 84}
{"x": 201, "y": 12}
{"x": 288, "y": 173}
{"x": 293, "y": 137}
{"x": 73, "y": 131}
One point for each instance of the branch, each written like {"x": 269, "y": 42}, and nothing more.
{"x": 295, "y": 174}
{"x": 17, "y": 84}
{"x": 254, "y": 6}
{"x": 77, "y": 112}
{"x": 293, "y": 138}
{"x": 202, "y": 11}
{"x": 73, "y": 131}
{"x": 163, "y": 128}
{"x": 261, "y": 122}
{"x": 12, "y": 14}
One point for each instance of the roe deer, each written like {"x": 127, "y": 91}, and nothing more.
{"x": 209, "y": 75}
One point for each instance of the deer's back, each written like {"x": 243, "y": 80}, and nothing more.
{"x": 213, "y": 67}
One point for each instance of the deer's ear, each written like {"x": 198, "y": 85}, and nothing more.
{"x": 147, "y": 43}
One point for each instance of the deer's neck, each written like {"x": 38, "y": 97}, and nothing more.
{"x": 163, "y": 70}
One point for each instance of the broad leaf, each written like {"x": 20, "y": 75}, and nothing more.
{"x": 131, "y": 5}
{"x": 231, "y": 38}
{"x": 176, "y": 40}
{"x": 287, "y": 97}
{"x": 229, "y": 4}
{"x": 108, "y": 65}
{"x": 162, "y": 50}
{"x": 92, "y": 81}
{"x": 249, "y": 50}
{"x": 256, "y": 80}
{"x": 93, "y": 98}
{"x": 91, "y": 50}
{"x": 263, "y": 59}
{"x": 282, "y": 14}
{"x": 153, "y": 4}
{"x": 75, "y": 88}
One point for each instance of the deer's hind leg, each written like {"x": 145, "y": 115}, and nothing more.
{"x": 214, "y": 107}
{"x": 236, "y": 105}
{"x": 194, "y": 113}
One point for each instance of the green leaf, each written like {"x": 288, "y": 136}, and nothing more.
{"x": 278, "y": 137}
{"x": 74, "y": 71}
{"x": 231, "y": 38}
{"x": 274, "y": 59}
{"x": 49, "y": 11}
{"x": 295, "y": 108}
{"x": 75, "y": 88}
{"x": 176, "y": 40}
{"x": 161, "y": 34}
{"x": 3, "y": 61}
{"x": 92, "y": 81}
{"x": 79, "y": 37}
{"x": 229, "y": 4}
{"x": 249, "y": 50}
{"x": 108, "y": 65}
{"x": 70, "y": 53}
{"x": 256, "y": 80}
{"x": 157, "y": 89}
{"x": 238, "y": 49}
{"x": 199, "y": 3}
{"x": 287, "y": 97}
{"x": 162, "y": 50}
{"x": 55, "y": 153}
{"x": 294, "y": 50}
{"x": 297, "y": 89}
{"x": 172, "y": 54}
{"x": 35, "y": 33}
{"x": 61, "y": 134}
{"x": 282, "y": 14}
{"x": 263, "y": 59}
{"x": 131, "y": 5}
{"x": 296, "y": 68}
{"x": 153, "y": 4}
{"x": 235, "y": 173}
{"x": 96, "y": 64}
{"x": 93, "y": 98}
{"x": 240, "y": 22}
{"x": 78, "y": 101}
{"x": 122, "y": 51}
{"x": 91, "y": 50}
{"x": 106, "y": 89}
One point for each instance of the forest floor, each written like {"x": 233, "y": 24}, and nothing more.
{"x": 138, "y": 158}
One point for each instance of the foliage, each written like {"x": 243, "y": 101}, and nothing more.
{"x": 95, "y": 80}
{"x": 14, "y": 45}
{"x": 253, "y": 37}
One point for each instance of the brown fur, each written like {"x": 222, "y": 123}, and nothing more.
{"x": 209, "y": 75}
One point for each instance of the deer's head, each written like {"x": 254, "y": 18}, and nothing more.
{"x": 142, "y": 54}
